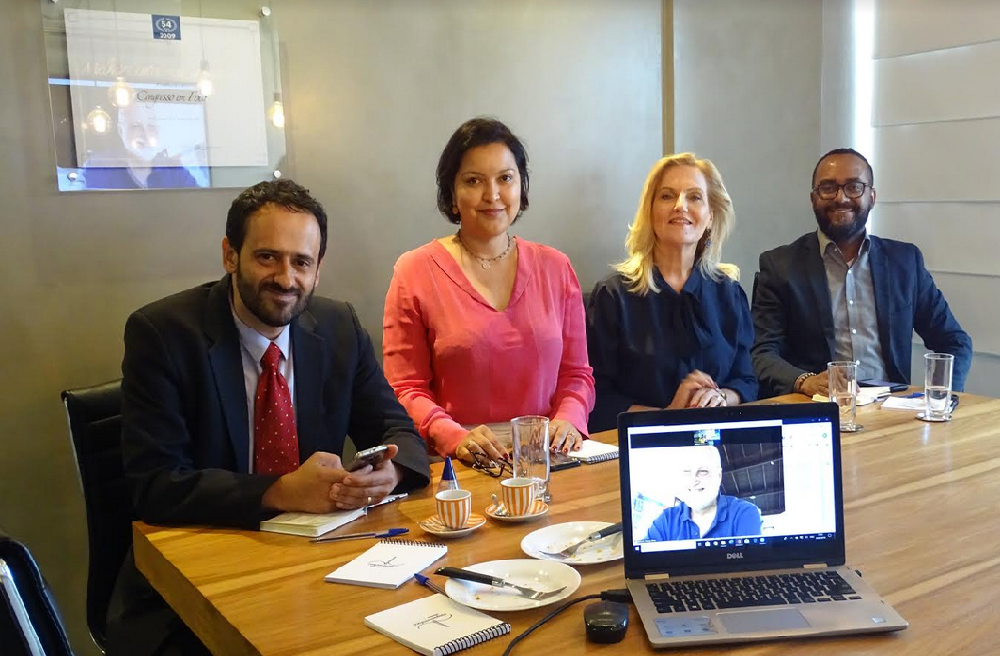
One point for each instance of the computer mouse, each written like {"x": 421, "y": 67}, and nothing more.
{"x": 606, "y": 621}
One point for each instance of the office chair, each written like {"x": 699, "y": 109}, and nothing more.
{"x": 30, "y": 624}
{"x": 94, "y": 415}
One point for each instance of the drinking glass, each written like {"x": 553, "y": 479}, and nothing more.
{"x": 937, "y": 385}
{"x": 844, "y": 392}
{"x": 530, "y": 441}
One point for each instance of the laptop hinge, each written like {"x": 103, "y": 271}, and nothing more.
{"x": 656, "y": 577}
{"x": 814, "y": 566}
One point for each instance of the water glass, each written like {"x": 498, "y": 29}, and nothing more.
{"x": 844, "y": 392}
{"x": 530, "y": 442}
{"x": 937, "y": 385}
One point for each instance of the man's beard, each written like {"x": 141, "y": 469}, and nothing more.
{"x": 701, "y": 500}
{"x": 276, "y": 318}
{"x": 843, "y": 232}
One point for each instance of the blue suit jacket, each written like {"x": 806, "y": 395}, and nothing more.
{"x": 793, "y": 318}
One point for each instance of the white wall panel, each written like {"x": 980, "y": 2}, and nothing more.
{"x": 973, "y": 301}
{"x": 906, "y": 26}
{"x": 984, "y": 376}
{"x": 957, "y": 161}
{"x": 957, "y": 237}
{"x": 943, "y": 85}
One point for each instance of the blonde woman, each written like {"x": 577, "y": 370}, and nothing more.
{"x": 671, "y": 327}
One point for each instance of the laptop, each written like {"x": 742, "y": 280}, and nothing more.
{"x": 733, "y": 522}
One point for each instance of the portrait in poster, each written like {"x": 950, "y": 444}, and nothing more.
{"x": 158, "y": 101}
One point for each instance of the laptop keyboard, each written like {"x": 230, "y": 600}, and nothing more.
{"x": 744, "y": 591}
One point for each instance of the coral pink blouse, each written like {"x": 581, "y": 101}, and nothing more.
{"x": 453, "y": 359}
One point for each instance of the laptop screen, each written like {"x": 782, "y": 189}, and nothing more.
{"x": 731, "y": 488}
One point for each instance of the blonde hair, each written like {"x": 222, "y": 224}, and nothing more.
{"x": 637, "y": 268}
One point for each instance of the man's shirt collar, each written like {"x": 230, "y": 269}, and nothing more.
{"x": 825, "y": 243}
{"x": 255, "y": 343}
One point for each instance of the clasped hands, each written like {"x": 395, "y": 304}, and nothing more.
{"x": 563, "y": 436}
{"x": 322, "y": 485}
{"x": 697, "y": 390}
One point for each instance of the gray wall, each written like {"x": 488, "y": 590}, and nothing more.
{"x": 373, "y": 91}
{"x": 747, "y": 95}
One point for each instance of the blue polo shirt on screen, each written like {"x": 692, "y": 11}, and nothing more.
{"x": 732, "y": 517}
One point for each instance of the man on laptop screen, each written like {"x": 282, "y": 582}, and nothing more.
{"x": 703, "y": 512}
{"x": 734, "y": 522}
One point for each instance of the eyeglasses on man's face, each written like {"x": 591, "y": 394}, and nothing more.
{"x": 699, "y": 473}
{"x": 829, "y": 190}
{"x": 482, "y": 462}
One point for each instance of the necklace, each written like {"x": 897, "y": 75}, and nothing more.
{"x": 485, "y": 262}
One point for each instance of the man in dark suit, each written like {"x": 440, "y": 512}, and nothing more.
{"x": 237, "y": 397}
{"x": 842, "y": 294}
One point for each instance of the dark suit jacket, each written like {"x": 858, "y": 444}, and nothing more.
{"x": 793, "y": 318}
{"x": 185, "y": 435}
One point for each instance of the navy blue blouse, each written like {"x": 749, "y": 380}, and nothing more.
{"x": 642, "y": 347}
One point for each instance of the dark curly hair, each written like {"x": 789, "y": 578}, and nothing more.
{"x": 481, "y": 131}
{"x": 284, "y": 193}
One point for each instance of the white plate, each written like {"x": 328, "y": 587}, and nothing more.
{"x": 560, "y": 536}
{"x": 541, "y": 575}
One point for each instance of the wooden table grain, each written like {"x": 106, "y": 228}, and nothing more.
{"x": 921, "y": 505}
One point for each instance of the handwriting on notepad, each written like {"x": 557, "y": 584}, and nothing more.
{"x": 384, "y": 563}
{"x": 436, "y": 618}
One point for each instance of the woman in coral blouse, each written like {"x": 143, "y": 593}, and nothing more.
{"x": 481, "y": 326}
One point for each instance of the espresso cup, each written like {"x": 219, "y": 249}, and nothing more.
{"x": 454, "y": 507}
{"x": 518, "y": 495}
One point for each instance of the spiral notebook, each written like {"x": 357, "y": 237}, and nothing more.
{"x": 436, "y": 625}
{"x": 389, "y": 564}
{"x": 591, "y": 452}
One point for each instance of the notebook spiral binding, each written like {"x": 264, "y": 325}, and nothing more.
{"x": 601, "y": 458}
{"x": 413, "y": 543}
{"x": 458, "y": 644}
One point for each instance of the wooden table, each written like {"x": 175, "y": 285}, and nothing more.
{"x": 921, "y": 519}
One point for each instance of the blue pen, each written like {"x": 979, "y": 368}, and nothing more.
{"x": 424, "y": 581}
{"x": 392, "y": 532}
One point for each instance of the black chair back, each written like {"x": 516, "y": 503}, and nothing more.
{"x": 95, "y": 427}
{"x": 30, "y": 624}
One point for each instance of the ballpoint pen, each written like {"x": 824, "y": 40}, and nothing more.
{"x": 388, "y": 533}
{"x": 426, "y": 582}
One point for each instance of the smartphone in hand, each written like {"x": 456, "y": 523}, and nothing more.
{"x": 372, "y": 456}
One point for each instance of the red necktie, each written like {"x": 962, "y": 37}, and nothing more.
{"x": 275, "y": 441}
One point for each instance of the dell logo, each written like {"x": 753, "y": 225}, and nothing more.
{"x": 735, "y": 556}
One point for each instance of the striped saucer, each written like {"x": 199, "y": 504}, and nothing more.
{"x": 538, "y": 508}
{"x": 435, "y": 526}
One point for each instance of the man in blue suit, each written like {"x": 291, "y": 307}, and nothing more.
{"x": 842, "y": 294}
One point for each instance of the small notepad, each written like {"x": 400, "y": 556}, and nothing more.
{"x": 388, "y": 564}
{"x": 436, "y": 626}
{"x": 313, "y": 525}
{"x": 592, "y": 451}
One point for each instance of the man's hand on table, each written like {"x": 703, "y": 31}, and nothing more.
{"x": 322, "y": 485}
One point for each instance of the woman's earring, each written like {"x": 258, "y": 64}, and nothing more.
{"x": 708, "y": 237}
